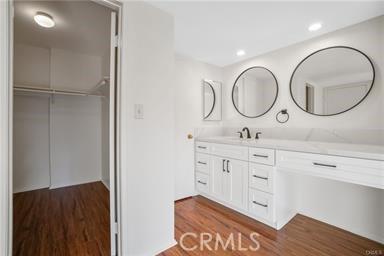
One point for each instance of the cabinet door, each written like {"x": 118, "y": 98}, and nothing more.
{"x": 217, "y": 175}
{"x": 236, "y": 183}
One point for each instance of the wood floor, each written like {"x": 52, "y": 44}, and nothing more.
{"x": 75, "y": 221}
{"x": 65, "y": 221}
{"x": 301, "y": 236}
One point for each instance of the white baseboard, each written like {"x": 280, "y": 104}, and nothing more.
{"x": 171, "y": 244}
{"x": 283, "y": 220}
{"x": 25, "y": 189}
{"x": 106, "y": 183}
{"x": 62, "y": 185}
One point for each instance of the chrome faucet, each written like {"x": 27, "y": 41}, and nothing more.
{"x": 257, "y": 135}
{"x": 248, "y": 132}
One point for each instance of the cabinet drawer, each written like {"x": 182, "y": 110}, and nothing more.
{"x": 202, "y": 147}
{"x": 262, "y": 156}
{"x": 230, "y": 151}
{"x": 353, "y": 170}
{"x": 202, "y": 163}
{"x": 261, "y": 205}
{"x": 261, "y": 177}
{"x": 202, "y": 182}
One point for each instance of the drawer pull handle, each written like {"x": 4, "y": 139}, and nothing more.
{"x": 325, "y": 165}
{"x": 202, "y": 147}
{"x": 260, "y": 177}
{"x": 201, "y": 162}
{"x": 223, "y": 165}
{"x": 228, "y": 166}
{"x": 263, "y": 205}
{"x": 204, "y": 183}
{"x": 256, "y": 155}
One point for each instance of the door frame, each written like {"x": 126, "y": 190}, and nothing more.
{"x": 6, "y": 105}
{"x": 6, "y": 122}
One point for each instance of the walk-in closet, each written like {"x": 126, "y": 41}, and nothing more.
{"x": 63, "y": 127}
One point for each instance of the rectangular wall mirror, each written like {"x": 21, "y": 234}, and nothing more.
{"x": 211, "y": 93}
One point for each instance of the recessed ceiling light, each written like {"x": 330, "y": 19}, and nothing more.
{"x": 240, "y": 53}
{"x": 44, "y": 20}
{"x": 315, "y": 26}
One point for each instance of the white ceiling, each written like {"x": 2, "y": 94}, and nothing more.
{"x": 81, "y": 26}
{"x": 213, "y": 31}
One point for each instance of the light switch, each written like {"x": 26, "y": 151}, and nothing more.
{"x": 139, "y": 111}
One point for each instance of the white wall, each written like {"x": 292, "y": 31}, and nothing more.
{"x": 31, "y": 142}
{"x": 72, "y": 126}
{"x": 57, "y": 68}
{"x": 188, "y": 116}
{"x": 74, "y": 71}
{"x": 282, "y": 62}
{"x": 147, "y": 145}
{"x": 75, "y": 140}
{"x": 32, "y": 65}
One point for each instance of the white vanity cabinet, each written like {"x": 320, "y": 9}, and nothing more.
{"x": 261, "y": 191}
{"x": 264, "y": 180}
{"x": 230, "y": 181}
{"x": 236, "y": 183}
{"x": 218, "y": 174}
{"x": 262, "y": 177}
{"x": 202, "y": 163}
{"x": 262, "y": 205}
{"x": 202, "y": 182}
{"x": 234, "y": 176}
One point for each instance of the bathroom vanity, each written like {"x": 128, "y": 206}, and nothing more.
{"x": 252, "y": 176}
{"x": 271, "y": 180}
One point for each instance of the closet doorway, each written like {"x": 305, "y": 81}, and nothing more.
{"x": 65, "y": 127}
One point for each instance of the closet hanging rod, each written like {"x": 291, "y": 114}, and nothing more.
{"x": 52, "y": 91}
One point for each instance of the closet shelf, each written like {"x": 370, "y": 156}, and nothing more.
{"x": 22, "y": 88}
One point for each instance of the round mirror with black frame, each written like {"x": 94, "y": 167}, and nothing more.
{"x": 209, "y": 99}
{"x": 254, "y": 92}
{"x": 332, "y": 80}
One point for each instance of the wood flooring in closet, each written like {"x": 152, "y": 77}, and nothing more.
{"x": 65, "y": 221}
{"x": 301, "y": 236}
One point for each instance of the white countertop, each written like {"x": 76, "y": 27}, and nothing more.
{"x": 372, "y": 152}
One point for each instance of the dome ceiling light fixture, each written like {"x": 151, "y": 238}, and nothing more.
{"x": 44, "y": 20}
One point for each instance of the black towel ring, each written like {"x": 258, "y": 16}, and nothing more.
{"x": 281, "y": 113}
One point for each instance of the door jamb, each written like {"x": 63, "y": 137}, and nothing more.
{"x": 6, "y": 128}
